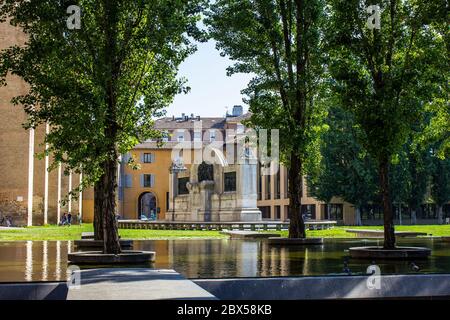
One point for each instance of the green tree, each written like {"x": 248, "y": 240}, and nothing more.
{"x": 385, "y": 76}
{"x": 347, "y": 171}
{"x": 279, "y": 41}
{"x": 98, "y": 87}
{"x": 440, "y": 185}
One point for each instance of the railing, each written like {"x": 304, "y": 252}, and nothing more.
{"x": 264, "y": 225}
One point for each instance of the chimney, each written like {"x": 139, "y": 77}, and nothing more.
{"x": 237, "y": 111}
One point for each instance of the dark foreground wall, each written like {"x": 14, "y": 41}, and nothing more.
{"x": 281, "y": 288}
{"x": 330, "y": 287}
{"x": 33, "y": 291}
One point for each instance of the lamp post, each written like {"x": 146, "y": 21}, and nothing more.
{"x": 175, "y": 168}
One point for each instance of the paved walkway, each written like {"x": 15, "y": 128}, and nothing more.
{"x": 9, "y": 228}
{"x": 135, "y": 284}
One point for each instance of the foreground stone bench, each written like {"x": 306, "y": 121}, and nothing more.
{"x": 367, "y": 233}
{"x": 135, "y": 284}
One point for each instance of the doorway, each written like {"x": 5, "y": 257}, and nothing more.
{"x": 147, "y": 206}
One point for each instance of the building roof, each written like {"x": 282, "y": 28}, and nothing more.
{"x": 171, "y": 123}
{"x": 168, "y": 123}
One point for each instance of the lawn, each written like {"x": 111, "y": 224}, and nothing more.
{"x": 74, "y": 232}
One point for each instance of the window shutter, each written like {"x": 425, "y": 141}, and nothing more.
{"x": 152, "y": 180}
{"x": 152, "y": 157}
{"x": 142, "y": 157}
{"x": 142, "y": 180}
{"x": 127, "y": 182}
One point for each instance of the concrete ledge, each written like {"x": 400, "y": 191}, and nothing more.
{"x": 295, "y": 241}
{"x": 367, "y": 233}
{"x": 91, "y": 243}
{"x": 237, "y": 234}
{"x": 87, "y": 235}
{"x": 397, "y": 253}
{"x": 329, "y": 287}
{"x": 98, "y": 258}
{"x": 136, "y": 284}
{"x": 221, "y": 225}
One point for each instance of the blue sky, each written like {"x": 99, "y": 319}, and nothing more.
{"x": 211, "y": 89}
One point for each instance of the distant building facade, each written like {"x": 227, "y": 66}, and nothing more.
{"x": 29, "y": 194}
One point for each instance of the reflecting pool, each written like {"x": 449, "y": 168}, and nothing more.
{"x": 222, "y": 258}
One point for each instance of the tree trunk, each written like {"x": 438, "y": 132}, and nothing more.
{"x": 440, "y": 215}
{"x": 98, "y": 210}
{"x": 111, "y": 242}
{"x": 389, "y": 231}
{"x": 296, "y": 224}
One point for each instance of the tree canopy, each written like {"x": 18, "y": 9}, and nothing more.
{"x": 99, "y": 86}
{"x": 280, "y": 43}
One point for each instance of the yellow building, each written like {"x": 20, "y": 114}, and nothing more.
{"x": 145, "y": 191}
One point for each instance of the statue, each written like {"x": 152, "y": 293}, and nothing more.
{"x": 205, "y": 172}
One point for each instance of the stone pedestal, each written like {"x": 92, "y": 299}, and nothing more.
{"x": 247, "y": 192}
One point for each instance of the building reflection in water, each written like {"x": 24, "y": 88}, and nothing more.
{"x": 29, "y": 262}
{"x": 44, "y": 261}
{"x": 58, "y": 261}
{"x": 215, "y": 258}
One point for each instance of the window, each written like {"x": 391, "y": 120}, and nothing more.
{"x": 182, "y": 187}
{"x": 212, "y": 135}
{"x": 265, "y": 212}
{"x": 197, "y": 136}
{"x": 335, "y": 212}
{"x": 277, "y": 184}
{"x": 180, "y": 136}
{"x": 147, "y": 180}
{"x": 277, "y": 212}
{"x": 148, "y": 158}
{"x": 309, "y": 211}
{"x": 166, "y": 135}
{"x": 240, "y": 128}
{"x": 229, "y": 179}
{"x": 268, "y": 194}
{"x": 167, "y": 201}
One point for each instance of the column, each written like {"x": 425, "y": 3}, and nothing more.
{"x": 47, "y": 129}
{"x": 58, "y": 207}
{"x": 69, "y": 210}
{"x": 80, "y": 199}
{"x": 30, "y": 178}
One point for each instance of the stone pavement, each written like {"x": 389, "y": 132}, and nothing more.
{"x": 135, "y": 284}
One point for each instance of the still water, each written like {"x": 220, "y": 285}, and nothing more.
{"x": 221, "y": 258}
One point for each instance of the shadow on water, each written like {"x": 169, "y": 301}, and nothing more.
{"x": 223, "y": 258}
